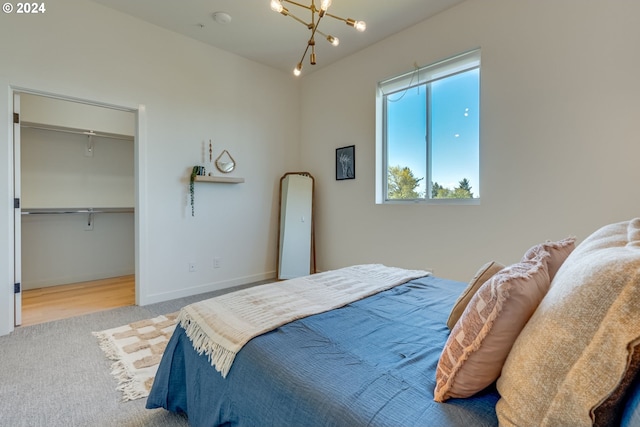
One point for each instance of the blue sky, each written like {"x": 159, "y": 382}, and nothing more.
{"x": 455, "y": 130}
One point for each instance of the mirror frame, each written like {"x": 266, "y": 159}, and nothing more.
{"x": 312, "y": 261}
{"x": 217, "y": 161}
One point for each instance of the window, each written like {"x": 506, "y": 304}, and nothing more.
{"x": 428, "y": 136}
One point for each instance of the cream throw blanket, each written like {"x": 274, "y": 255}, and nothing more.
{"x": 220, "y": 326}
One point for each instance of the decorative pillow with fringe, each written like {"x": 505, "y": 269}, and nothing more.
{"x": 559, "y": 251}
{"x": 482, "y": 275}
{"x": 481, "y": 340}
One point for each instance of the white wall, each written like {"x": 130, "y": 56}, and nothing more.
{"x": 57, "y": 174}
{"x": 57, "y": 112}
{"x": 57, "y": 249}
{"x": 559, "y": 135}
{"x": 186, "y": 93}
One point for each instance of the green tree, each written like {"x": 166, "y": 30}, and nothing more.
{"x": 445, "y": 193}
{"x": 462, "y": 191}
{"x": 402, "y": 183}
{"x": 435, "y": 190}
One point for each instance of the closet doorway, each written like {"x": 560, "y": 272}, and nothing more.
{"x": 75, "y": 204}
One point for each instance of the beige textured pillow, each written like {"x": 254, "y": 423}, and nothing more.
{"x": 575, "y": 350}
{"x": 559, "y": 251}
{"x": 480, "y": 341}
{"x": 482, "y": 275}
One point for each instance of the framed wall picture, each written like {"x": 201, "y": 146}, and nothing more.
{"x": 346, "y": 162}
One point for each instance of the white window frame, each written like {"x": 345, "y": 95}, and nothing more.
{"x": 441, "y": 69}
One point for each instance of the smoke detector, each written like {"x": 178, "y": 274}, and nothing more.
{"x": 222, "y": 18}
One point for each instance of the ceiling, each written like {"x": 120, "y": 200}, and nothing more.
{"x": 262, "y": 35}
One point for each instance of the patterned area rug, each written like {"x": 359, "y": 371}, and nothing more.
{"x": 137, "y": 349}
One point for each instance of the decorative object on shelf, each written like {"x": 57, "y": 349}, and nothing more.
{"x": 276, "y": 5}
{"x": 198, "y": 174}
{"x": 225, "y": 163}
{"x": 196, "y": 171}
{"x": 210, "y": 158}
{"x": 346, "y": 162}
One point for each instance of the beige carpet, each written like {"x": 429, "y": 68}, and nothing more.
{"x": 137, "y": 349}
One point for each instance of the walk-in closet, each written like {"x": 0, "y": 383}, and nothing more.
{"x": 77, "y": 198}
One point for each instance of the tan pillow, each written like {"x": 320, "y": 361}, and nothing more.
{"x": 559, "y": 251}
{"x": 480, "y": 341}
{"x": 482, "y": 275}
{"x": 575, "y": 350}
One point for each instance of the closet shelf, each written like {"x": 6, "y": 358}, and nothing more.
{"x": 87, "y": 132}
{"x": 219, "y": 179}
{"x": 53, "y": 211}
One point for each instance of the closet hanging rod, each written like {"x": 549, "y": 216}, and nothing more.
{"x": 38, "y": 126}
{"x": 48, "y": 211}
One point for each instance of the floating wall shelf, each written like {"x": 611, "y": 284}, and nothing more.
{"x": 219, "y": 179}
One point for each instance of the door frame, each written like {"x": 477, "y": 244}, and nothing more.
{"x": 140, "y": 185}
{"x": 17, "y": 220}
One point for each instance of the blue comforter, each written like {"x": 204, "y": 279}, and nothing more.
{"x": 370, "y": 363}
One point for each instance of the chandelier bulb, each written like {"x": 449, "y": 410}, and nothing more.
{"x": 298, "y": 69}
{"x": 358, "y": 25}
{"x": 333, "y": 40}
{"x": 276, "y": 6}
{"x": 324, "y": 5}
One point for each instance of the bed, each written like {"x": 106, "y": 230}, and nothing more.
{"x": 371, "y": 362}
{"x": 345, "y": 367}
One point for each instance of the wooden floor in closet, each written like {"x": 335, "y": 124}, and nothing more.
{"x": 64, "y": 301}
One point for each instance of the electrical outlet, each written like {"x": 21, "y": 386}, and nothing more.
{"x": 192, "y": 267}
{"x": 216, "y": 262}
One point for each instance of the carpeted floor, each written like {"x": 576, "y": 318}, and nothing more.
{"x": 136, "y": 350}
{"x": 55, "y": 374}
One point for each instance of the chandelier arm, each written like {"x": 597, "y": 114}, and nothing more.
{"x": 315, "y": 28}
{"x": 305, "y": 53}
{"x": 306, "y": 24}
{"x": 322, "y": 34}
{"x": 334, "y": 16}
{"x": 358, "y": 25}
{"x": 311, "y": 40}
{"x": 299, "y": 4}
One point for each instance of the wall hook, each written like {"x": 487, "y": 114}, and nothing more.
{"x": 89, "y": 225}
{"x": 88, "y": 149}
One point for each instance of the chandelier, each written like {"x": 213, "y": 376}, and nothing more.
{"x": 276, "y": 5}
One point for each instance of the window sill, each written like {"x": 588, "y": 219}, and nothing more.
{"x": 433, "y": 202}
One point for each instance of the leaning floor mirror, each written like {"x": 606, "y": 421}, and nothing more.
{"x": 296, "y": 245}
